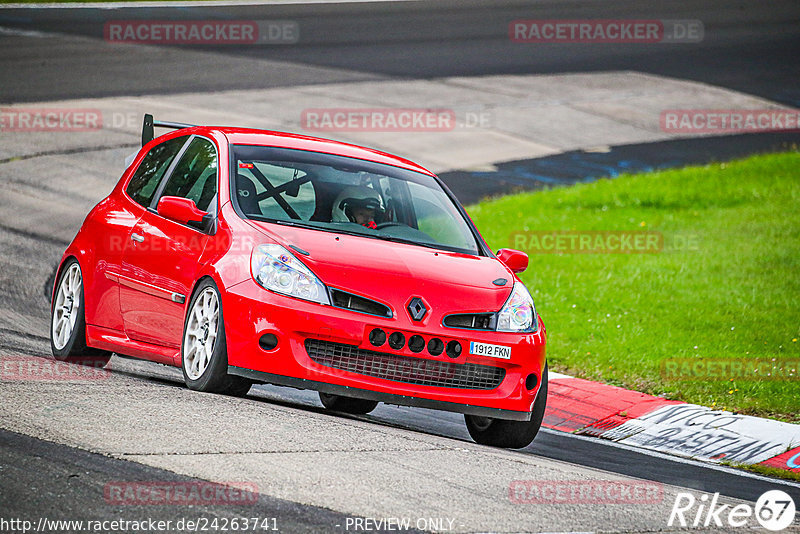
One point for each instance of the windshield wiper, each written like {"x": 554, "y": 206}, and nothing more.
{"x": 288, "y": 223}
{"x": 435, "y": 246}
{"x": 283, "y": 222}
{"x": 407, "y": 241}
{"x": 393, "y": 239}
{"x": 312, "y": 226}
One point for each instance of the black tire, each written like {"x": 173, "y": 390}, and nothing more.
{"x": 337, "y": 403}
{"x": 74, "y": 349}
{"x": 238, "y": 386}
{"x": 510, "y": 434}
{"x": 214, "y": 378}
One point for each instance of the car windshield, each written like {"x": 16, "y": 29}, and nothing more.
{"x": 346, "y": 195}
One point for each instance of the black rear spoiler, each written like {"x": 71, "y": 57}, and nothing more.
{"x": 149, "y": 124}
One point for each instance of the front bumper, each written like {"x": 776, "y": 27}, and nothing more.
{"x": 394, "y": 376}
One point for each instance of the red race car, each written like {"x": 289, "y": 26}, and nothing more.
{"x": 249, "y": 256}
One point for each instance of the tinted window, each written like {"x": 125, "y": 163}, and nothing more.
{"x": 341, "y": 194}
{"x": 195, "y": 176}
{"x": 145, "y": 180}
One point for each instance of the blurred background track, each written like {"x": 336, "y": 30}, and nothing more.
{"x": 752, "y": 47}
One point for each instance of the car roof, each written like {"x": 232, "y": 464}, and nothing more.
{"x": 249, "y": 136}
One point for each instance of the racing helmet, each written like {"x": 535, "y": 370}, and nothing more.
{"x": 352, "y": 197}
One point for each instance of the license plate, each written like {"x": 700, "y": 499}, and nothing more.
{"x": 485, "y": 349}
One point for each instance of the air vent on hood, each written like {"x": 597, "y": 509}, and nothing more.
{"x": 348, "y": 301}
{"x": 472, "y": 321}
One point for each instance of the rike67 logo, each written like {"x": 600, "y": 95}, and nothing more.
{"x": 774, "y": 510}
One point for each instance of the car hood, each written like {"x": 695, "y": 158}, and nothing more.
{"x": 395, "y": 272}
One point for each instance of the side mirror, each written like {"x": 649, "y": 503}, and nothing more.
{"x": 184, "y": 211}
{"x": 514, "y": 259}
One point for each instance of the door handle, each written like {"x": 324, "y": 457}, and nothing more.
{"x": 136, "y": 237}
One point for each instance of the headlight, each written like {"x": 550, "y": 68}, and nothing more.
{"x": 518, "y": 313}
{"x": 276, "y": 269}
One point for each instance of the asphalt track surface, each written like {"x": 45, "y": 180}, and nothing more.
{"x": 577, "y": 166}
{"x": 43, "y": 479}
{"x": 749, "y": 47}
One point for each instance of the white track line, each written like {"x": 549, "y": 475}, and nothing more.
{"x": 4, "y": 30}
{"x": 552, "y": 375}
{"x": 663, "y": 456}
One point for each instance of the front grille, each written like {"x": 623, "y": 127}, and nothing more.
{"x": 473, "y": 321}
{"x": 403, "y": 368}
{"x": 343, "y": 299}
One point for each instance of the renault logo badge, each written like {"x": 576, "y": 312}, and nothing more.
{"x": 416, "y": 309}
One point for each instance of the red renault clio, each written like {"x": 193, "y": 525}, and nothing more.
{"x": 248, "y": 256}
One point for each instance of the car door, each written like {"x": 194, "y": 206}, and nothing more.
{"x": 162, "y": 265}
{"x": 119, "y": 215}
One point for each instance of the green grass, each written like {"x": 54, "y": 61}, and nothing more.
{"x": 766, "y": 471}
{"x": 735, "y": 295}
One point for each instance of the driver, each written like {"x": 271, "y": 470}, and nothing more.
{"x": 358, "y": 204}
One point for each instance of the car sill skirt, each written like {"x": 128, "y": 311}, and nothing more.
{"x": 388, "y": 398}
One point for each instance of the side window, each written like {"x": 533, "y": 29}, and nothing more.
{"x": 145, "y": 180}
{"x": 195, "y": 176}
{"x": 252, "y": 184}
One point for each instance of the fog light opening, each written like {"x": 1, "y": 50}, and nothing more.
{"x": 453, "y": 349}
{"x": 397, "y": 340}
{"x": 435, "y": 346}
{"x": 416, "y": 343}
{"x": 268, "y": 342}
{"x": 377, "y": 337}
{"x": 531, "y": 382}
